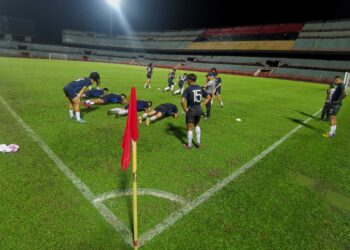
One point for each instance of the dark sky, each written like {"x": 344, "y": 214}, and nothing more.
{"x": 51, "y": 16}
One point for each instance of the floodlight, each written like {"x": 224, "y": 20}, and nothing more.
{"x": 113, "y": 3}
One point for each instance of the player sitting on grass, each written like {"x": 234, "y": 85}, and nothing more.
{"x": 327, "y": 105}
{"x": 106, "y": 99}
{"x": 181, "y": 84}
{"x": 94, "y": 93}
{"x": 74, "y": 90}
{"x": 218, "y": 83}
{"x": 161, "y": 111}
{"x": 336, "y": 103}
{"x": 191, "y": 104}
{"x": 141, "y": 106}
{"x": 171, "y": 77}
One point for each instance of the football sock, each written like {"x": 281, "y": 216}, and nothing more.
{"x": 198, "y": 134}
{"x": 123, "y": 112}
{"x": 77, "y": 114}
{"x": 92, "y": 103}
{"x": 189, "y": 138}
{"x": 166, "y": 89}
{"x": 115, "y": 110}
{"x": 222, "y": 104}
{"x": 177, "y": 91}
{"x": 172, "y": 87}
{"x": 71, "y": 113}
{"x": 153, "y": 118}
{"x": 144, "y": 116}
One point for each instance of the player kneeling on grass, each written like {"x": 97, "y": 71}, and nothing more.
{"x": 336, "y": 103}
{"x": 181, "y": 84}
{"x": 141, "y": 106}
{"x": 191, "y": 104}
{"x": 74, "y": 90}
{"x": 106, "y": 99}
{"x": 161, "y": 111}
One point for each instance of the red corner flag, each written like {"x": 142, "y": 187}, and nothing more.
{"x": 131, "y": 130}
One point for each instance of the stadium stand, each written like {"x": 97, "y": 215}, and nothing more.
{"x": 265, "y": 51}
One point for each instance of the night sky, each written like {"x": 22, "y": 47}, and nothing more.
{"x": 144, "y": 15}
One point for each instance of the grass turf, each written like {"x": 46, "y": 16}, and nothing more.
{"x": 270, "y": 206}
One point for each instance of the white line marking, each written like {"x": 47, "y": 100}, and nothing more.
{"x": 142, "y": 191}
{"x": 104, "y": 211}
{"x": 220, "y": 185}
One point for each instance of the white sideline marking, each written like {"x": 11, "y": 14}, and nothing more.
{"x": 142, "y": 191}
{"x": 104, "y": 211}
{"x": 220, "y": 185}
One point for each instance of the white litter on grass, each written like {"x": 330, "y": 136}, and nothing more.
{"x": 12, "y": 148}
{"x": 158, "y": 88}
{"x": 238, "y": 119}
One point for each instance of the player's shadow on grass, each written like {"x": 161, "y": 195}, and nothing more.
{"x": 300, "y": 122}
{"x": 86, "y": 111}
{"x": 178, "y": 132}
{"x": 308, "y": 115}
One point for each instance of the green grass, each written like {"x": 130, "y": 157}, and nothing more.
{"x": 295, "y": 198}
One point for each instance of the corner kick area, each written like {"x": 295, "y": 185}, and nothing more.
{"x": 97, "y": 192}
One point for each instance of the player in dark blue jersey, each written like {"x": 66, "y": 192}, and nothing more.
{"x": 161, "y": 111}
{"x": 149, "y": 76}
{"x": 142, "y": 105}
{"x": 336, "y": 103}
{"x": 191, "y": 104}
{"x": 94, "y": 93}
{"x": 171, "y": 77}
{"x": 218, "y": 84}
{"x": 75, "y": 89}
{"x": 181, "y": 84}
{"x": 106, "y": 99}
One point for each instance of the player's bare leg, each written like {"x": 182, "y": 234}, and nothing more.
{"x": 153, "y": 118}
{"x": 70, "y": 108}
{"x": 89, "y": 103}
{"x": 76, "y": 106}
{"x": 145, "y": 115}
{"x": 218, "y": 96}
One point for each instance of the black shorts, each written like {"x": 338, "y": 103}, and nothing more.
{"x": 161, "y": 109}
{"x": 193, "y": 115}
{"x": 149, "y": 76}
{"x": 69, "y": 93}
{"x": 334, "y": 109}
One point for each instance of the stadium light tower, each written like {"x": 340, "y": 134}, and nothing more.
{"x": 114, "y": 4}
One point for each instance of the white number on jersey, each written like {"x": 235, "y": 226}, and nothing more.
{"x": 197, "y": 97}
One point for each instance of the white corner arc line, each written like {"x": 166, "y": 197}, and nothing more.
{"x": 101, "y": 208}
{"x": 174, "y": 217}
{"x": 142, "y": 191}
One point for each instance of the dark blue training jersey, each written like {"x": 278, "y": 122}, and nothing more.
{"x": 77, "y": 85}
{"x": 194, "y": 95}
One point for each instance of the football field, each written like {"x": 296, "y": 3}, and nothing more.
{"x": 271, "y": 181}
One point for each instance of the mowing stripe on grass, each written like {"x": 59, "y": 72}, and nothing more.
{"x": 174, "y": 217}
{"x": 142, "y": 191}
{"x": 104, "y": 211}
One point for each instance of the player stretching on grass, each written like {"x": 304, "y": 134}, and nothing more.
{"x": 181, "y": 83}
{"x": 336, "y": 102}
{"x": 94, "y": 93}
{"x": 106, "y": 99}
{"x": 141, "y": 106}
{"x": 191, "y": 104}
{"x": 74, "y": 91}
{"x": 149, "y": 76}
{"x": 171, "y": 77}
{"x": 161, "y": 111}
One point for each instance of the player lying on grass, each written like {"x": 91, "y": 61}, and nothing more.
{"x": 336, "y": 103}
{"x": 217, "y": 93}
{"x": 210, "y": 90}
{"x": 75, "y": 89}
{"x": 171, "y": 77}
{"x": 181, "y": 84}
{"x": 141, "y": 106}
{"x": 94, "y": 93}
{"x": 191, "y": 104}
{"x": 106, "y": 99}
{"x": 161, "y": 111}
{"x": 327, "y": 105}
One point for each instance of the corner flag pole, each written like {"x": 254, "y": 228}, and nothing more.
{"x": 134, "y": 191}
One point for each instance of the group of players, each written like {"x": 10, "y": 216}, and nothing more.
{"x": 191, "y": 100}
